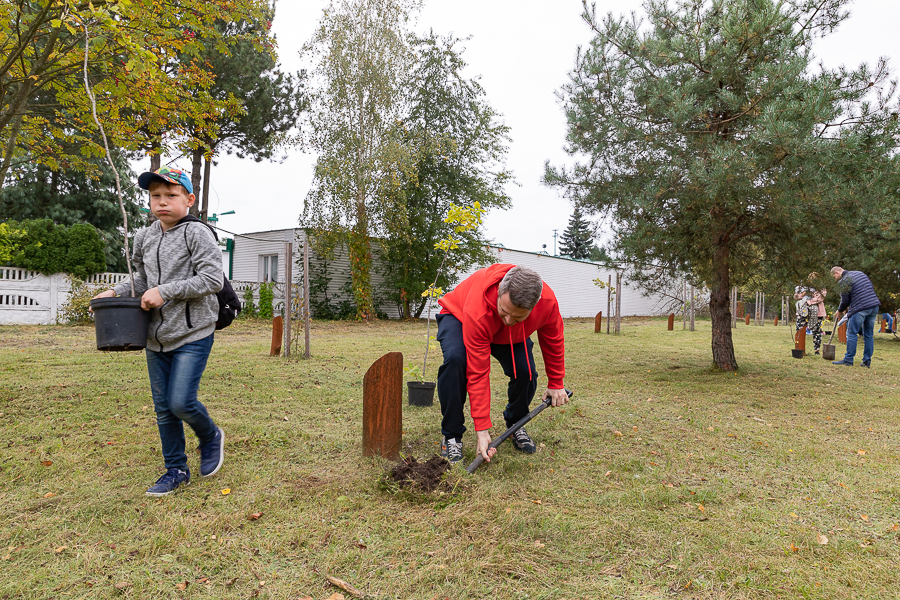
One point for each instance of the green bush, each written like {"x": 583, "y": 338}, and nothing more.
{"x": 249, "y": 307}
{"x": 75, "y": 310}
{"x": 266, "y": 298}
{"x": 49, "y": 248}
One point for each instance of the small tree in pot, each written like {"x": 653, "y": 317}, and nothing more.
{"x": 463, "y": 219}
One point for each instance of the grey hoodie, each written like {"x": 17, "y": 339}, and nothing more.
{"x": 186, "y": 264}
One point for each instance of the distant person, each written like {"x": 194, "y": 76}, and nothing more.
{"x": 179, "y": 255}
{"x": 816, "y": 302}
{"x": 492, "y": 313}
{"x": 802, "y": 296}
{"x": 888, "y": 322}
{"x": 860, "y": 303}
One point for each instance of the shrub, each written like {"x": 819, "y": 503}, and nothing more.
{"x": 266, "y": 298}
{"x": 10, "y": 239}
{"x": 249, "y": 308}
{"x": 49, "y": 248}
{"x": 75, "y": 310}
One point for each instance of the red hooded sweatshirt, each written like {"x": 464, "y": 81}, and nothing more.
{"x": 474, "y": 303}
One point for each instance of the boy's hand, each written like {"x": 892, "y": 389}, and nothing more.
{"x": 152, "y": 299}
{"x": 106, "y": 294}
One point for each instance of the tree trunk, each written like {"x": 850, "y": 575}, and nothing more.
{"x": 360, "y": 266}
{"x": 196, "y": 165}
{"x": 155, "y": 156}
{"x": 204, "y": 210}
{"x": 722, "y": 343}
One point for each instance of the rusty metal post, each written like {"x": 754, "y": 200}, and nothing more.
{"x": 383, "y": 406}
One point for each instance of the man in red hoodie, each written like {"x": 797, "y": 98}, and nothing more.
{"x": 492, "y": 313}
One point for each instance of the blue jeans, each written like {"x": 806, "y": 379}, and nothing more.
{"x": 174, "y": 379}
{"x": 890, "y": 321}
{"x": 861, "y": 322}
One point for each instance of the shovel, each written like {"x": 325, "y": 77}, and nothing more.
{"x": 506, "y": 434}
{"x": 828, "y": 349}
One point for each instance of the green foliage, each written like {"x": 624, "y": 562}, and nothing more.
{"x": 74, "y": 310}
{"x": 49, "y": 248}
{"x": 362, "y": 55}
{"x": 143, "y": 64}
{"x": 577, "y": 241}
{"x": 249, "y": 306}
{"x": 9, "y": 242}
{"x": 719, "y": 150}
{"x": 266, "y": 298}
{"x": 321, "y": 305}
{"x": 459, "y": 151}
{"x": 69, "y": 196}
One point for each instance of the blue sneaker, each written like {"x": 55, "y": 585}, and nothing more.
{"x": 212, "y": 455}
{"x": 843, "y": 362}
{"x": 169, "y": 482}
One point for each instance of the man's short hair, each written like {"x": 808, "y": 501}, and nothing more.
{"x": 836, "y": 270}
{"x": 523, "y": 285}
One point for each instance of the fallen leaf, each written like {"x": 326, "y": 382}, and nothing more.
{"x": 230, "y": 582}
{"x": 60, "y": 549}
{"x": 49, "y": 495}
{"x": 794, "y": 515}
{"x": 608, "y": 473}
{"x": 864, "y": 518}
{"x": 360, "y": 544}
{"x": 634, "y": 428}
{"x": 254, "y": 516}
{"x": 701, "y": 508}
{"x": 46, "y": 463}
{"x": 710, "y": 428}
{"x": 262, "y": 583}
{"x": 335, "y": 596}
{"x": 122, "y": 585}
{"x": 536, "y": 501}
{"x": 203, "y": 580}
{"x": 895, "y": 527}
{"x": 182, "y": 586}
{"x": 538, "y": 544}
{"x": 861, "y": 452}
{"x": 793, "y": 547}
{"x": 823, "y": 540}
{"x": 432, "y": 553}
{"x": 508, "y": 510}
{"x": 617, "y": 433}
{"x": 226, "y": 491}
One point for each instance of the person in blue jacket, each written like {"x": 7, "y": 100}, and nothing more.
{"x": 860, "y": 303}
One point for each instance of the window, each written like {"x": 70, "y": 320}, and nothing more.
{"x": 269, "y": 271}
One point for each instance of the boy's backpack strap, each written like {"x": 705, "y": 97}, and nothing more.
{"x": 229, "y": 304}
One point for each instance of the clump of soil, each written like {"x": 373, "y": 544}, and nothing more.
{"x": 425, "y": 476}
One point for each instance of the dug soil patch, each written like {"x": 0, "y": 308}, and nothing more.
{"x": 426, "y": 476}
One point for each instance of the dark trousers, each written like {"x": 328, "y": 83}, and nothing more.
{"x": 451, "y": 381}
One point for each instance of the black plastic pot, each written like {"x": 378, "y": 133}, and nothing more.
{"x": 797, "y": 353}
{"x": 120, "y": 324}
{"x": 421, "y": 393}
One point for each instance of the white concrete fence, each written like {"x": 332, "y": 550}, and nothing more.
{"x": 30, "y": 298}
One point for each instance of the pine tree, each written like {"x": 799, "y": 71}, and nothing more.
{"x": 718, "y": 148}
{"x": 577, "y": 240}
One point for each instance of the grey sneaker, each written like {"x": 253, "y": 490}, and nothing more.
{"x": 523, "y": 442}
{"x": 169, "y": 482}
{"x": 452, "y": 450}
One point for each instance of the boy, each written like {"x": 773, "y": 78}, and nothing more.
{"x": 178, "y": 270}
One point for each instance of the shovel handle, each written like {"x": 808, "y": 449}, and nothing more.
{"x": 479, "y": 459}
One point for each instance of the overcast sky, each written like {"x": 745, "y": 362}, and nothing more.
{"x": 522, "y": 50}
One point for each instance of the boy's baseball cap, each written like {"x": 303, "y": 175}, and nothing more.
{"x": 166, "y": 175}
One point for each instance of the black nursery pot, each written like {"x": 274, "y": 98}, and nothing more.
{"x": 421, "y": 393}
{"x": 120, "y": 324}
{"x": 797, "y": 353}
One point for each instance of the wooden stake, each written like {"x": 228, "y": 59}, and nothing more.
{"x": 608, "y": 296}
{"x": 288, "y": 291}
{"x": 671, "y": 321}
{"x": 306, "y": 294}
{"x": 383, "y": 407}
{"x": 598, "y": 322}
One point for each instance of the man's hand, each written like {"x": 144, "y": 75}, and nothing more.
{"x": 106, "y": 294}
{"x": 557, "y": 397}
{"x": 482, "y": 441}
{"x": 152, "y": 299}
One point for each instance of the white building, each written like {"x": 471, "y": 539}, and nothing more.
{"x": 259, "y": 257}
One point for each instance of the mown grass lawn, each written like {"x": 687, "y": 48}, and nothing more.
{"x": 662, "y": 478}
